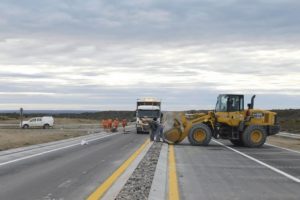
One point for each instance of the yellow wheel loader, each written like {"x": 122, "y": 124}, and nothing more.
{"x": 243, "y": 127}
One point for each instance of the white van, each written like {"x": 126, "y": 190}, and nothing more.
{"x": 43, "y": 122}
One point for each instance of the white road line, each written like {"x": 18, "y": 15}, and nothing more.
{"x": 291, "y": 150}
{"x": 50, "y": 151}
{"x": 260, "y": 162}
{"x": 45, "y": 145}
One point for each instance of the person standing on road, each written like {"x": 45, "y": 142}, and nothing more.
{"x": 116, "y": 124}
{"x": 124, "y": 124}
{"x": 155, "y": 128}
{"x": 162, "y": 136}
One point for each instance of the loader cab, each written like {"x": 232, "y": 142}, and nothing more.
{"x": 230, "y": 103}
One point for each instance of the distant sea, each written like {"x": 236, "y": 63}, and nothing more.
{"x": 50, "y": 111}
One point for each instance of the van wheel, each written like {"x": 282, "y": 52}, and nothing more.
{"x": 25, "y": 126}
{"x": 46, "y": 126}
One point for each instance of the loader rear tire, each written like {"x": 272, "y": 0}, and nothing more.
{"x": 200, "y": 134}
{"x": 254, "y": 136}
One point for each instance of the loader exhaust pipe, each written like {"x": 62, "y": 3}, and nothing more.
{"x": 252, "y": 102}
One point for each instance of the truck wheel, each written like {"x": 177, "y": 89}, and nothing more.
{"x": 200, "y": 134}
{"x": 25, "y": 126}
{"x": 237, "y": 142}
{"x": 46, "y": 126}
{"x": 254, "y": 136}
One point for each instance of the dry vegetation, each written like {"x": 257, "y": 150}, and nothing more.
{"x": 66, "y": 125}
{"x": 13, "y": 137}
{"x": 289, "y": 120}
{"x": 57, "y": 121}
{"x": 63, "y": 121}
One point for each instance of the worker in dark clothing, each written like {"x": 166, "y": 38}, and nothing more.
{"x": 155, "y": 128}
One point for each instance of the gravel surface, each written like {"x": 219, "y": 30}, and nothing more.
{"x": 139, "y": 184}
{"x": 284, "y": 142}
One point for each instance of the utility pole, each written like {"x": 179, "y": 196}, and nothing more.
{"x": 21, "y": 117}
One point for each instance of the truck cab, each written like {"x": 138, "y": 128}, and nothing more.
{"x": 147, "y": 109}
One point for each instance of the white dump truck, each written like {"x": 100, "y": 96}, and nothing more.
{"x": 147, "y": 109}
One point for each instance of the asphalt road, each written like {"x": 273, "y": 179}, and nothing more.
{"x": 218, "y": 172}
{"x": 71, "y": 173}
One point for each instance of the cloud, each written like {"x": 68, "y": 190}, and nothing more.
{"x": 105, "y": 54}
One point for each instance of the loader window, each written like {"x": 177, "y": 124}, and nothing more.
{"x": 229, "y": 103}
{"x": 235, "y": 103}
{"x": 222, "y": 104}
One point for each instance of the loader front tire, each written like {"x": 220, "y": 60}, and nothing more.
{"x": 254, "y": 136}
{"x": 200, "y": 134}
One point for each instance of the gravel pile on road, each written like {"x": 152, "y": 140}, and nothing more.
{"x": 139, "y": 184}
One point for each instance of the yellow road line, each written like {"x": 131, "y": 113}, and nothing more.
{"x": 100, "y": 191}
{"x": 173, "y": 182}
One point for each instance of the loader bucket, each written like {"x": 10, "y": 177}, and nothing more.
{"x": 173, "y": 135}
{"x": 172, "y": 129}
{"x": 177, "y": 126}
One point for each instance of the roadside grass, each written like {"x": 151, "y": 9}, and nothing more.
{"x": 57, "y": 121}
{"x": 290, "y": 125}
{"x": 289, "y": 120}
{"x": 14, "y": 137}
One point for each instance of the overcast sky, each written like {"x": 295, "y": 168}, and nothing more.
{"x": 103, "y": 55}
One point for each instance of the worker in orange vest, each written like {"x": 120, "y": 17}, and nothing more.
{"x": 124, "y": 124}
{"x": 116, "y": 123}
